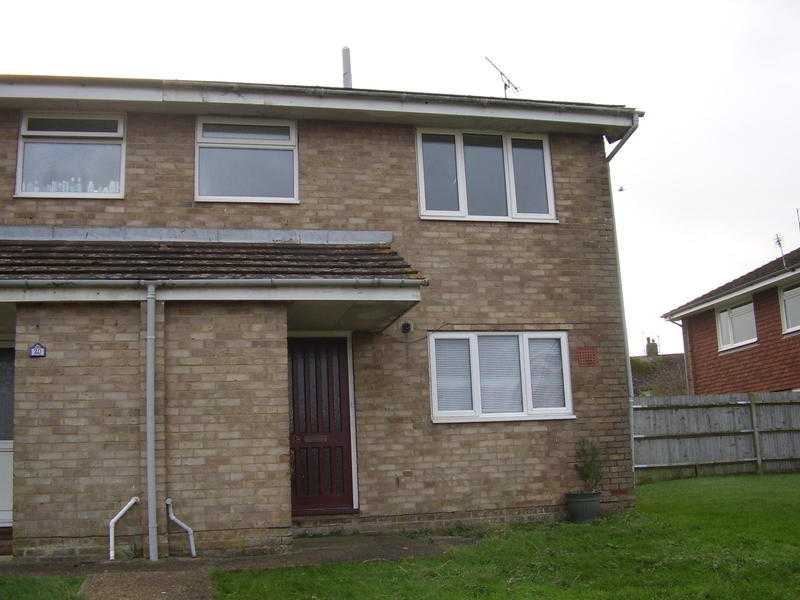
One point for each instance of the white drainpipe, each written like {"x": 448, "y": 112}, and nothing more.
{"x": 150, "y": 421}
{"x": 112, "y": 523}
{"x": 182, "y": 525}
{"x": 634, "y": 126}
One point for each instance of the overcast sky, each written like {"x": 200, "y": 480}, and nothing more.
{"x": 709, "y": 179}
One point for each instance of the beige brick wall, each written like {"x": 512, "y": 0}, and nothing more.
{"x": 483, "y": 276}
{"x": 77, "y": 442}
{"x": 222, "y": 435}
{"x": 227, "y": 423}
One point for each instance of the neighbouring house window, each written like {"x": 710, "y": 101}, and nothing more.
{"x": 484, "y": 177}
{"x": 246, "y": 160}
{"x": 71, "y": 156}
{"x": 736, "y": 326}
{"x": 790, "y": 309}
{"x": 499, "y": 376}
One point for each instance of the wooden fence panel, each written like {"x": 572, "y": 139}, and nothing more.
{"x": 678, "y": 436}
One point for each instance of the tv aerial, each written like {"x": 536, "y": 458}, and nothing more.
{"x": 507, "y": 83}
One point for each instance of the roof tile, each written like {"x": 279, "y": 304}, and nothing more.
{"x": 191, "y": 260}
{"x": 766, "y": 271}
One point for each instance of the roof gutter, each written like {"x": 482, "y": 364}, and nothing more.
{"x": 266, "y": 282}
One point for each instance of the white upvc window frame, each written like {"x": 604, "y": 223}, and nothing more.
{"x": 792, "y": 291}
{"x": 71, "y": 137}
{"x": 201, "y": 141}
{"x": 723, "y": 312}
{"x": 462, "y": 214}
{"x": 529, "y": 413}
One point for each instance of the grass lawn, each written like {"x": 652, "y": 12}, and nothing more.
{"x": 40, "y": 588}
{"x": 722, "y": 537}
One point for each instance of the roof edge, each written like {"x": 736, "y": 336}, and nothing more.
{"x": 316, "y": 90}
{"x": 313, "y": 102}
{"x": 693, "y": 307}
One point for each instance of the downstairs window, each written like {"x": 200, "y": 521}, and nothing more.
{"x": 499, "y": 376}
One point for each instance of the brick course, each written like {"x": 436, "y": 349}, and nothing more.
{"x": 770, "y": 364}
{"x": 484, "y": 276}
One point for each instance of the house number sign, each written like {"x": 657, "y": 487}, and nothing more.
{"x": 37, "y": 350}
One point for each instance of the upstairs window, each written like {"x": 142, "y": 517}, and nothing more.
{"x": 71, "y": 156}
{"x": 503, "y": 376}
{"x": 736, "y": 326}
{"x": 484, "y": 177}
{"x": 246, "y": 160}
{"x": 790, "y": 309}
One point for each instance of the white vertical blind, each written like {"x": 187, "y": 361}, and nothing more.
{"x": 724, "y": 328}
{"x": 791, "y": 305}
{"x": 487, "y": 376}
{"x": 501, "y": 382}
{"x": 547, "y": 377}
{"x": 737, "y": 325}
{"x": 453, "y": 375}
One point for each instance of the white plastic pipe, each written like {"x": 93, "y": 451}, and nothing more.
{"x": 634, "y": 126}
{"x": 113, "y": 522}
{"x": 150, "y": 421}
{"x": 182, "y": 525}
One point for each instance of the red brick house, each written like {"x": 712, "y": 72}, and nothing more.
{"x": 744, "y": 336}
{"x": 301, "y": 309}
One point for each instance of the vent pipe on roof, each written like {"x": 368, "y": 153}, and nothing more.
{"x": 347, "y": 76}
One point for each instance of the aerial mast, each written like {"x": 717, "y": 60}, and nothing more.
{"x": 507, "y": 83}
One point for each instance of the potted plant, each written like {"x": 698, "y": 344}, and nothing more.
{"x": 584, "y": 505}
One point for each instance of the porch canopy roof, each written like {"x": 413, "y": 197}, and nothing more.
{"x": 331, "y": 280}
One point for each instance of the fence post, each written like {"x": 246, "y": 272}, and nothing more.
{"x": 756, "y": 434}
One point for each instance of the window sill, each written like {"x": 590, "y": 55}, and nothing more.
{"x": 792, "y": 331}
{"x": 246, "y": 200}
{"x": 505, "y": 418}
{"x": 737, "y": 347}
{"x": 486, "y": 219}
{"x": 68, "y": 197}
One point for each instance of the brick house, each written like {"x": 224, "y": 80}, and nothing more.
{"x": 743, "y": 335}
{"x": 656, "y": 374}
{"x": 301, "y": 309}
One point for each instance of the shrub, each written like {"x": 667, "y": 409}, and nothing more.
{"x": 588, "y": 464}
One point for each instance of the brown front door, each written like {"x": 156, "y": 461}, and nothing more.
{"x": 319, "y": 392}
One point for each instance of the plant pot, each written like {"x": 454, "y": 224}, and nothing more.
{"x": 583, "y": 507}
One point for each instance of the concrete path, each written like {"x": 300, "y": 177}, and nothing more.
{"x": 148, "y": 585}
{"x": 188, "y": 579}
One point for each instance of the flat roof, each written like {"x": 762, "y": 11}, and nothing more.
{"x": 300, "y": 101}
